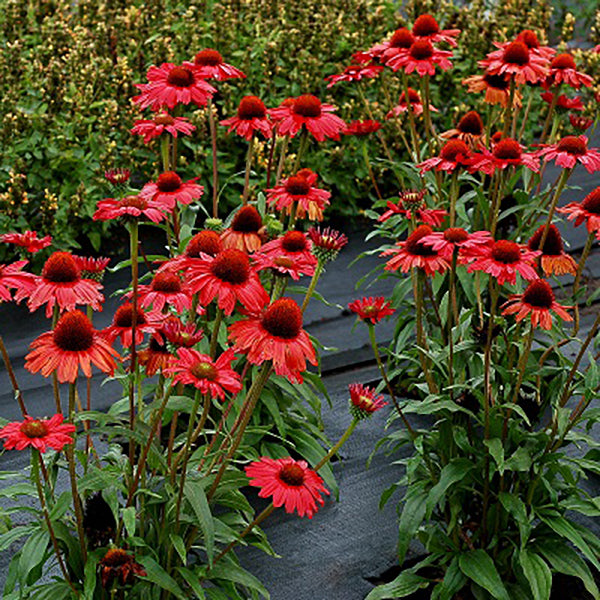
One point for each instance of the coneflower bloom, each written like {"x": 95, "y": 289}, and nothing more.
{"x": 421, "y": 57}
{"x": 516, "y": 60}
{"x": 564, "y": 103}
{"x": 506, "y": 153}
{"x": 169, "y": 189}
{"x": 244, "y": 232}
{"x": 214, "y": 377}
{"x": 121, "y": 326}
{"x": 354, "y": 73}
{"x": 416, "y": 105}
{"x": 290, "y": 482}
{"x": 287, "y": 255}
{"x": 496, "y": 88}
{"x": 300, "y": 190}
{"x": 530, "y": 39}
{"x": 170, "y": 85}
{"x": 308, "y": 111}
{"x": 228, "y": 278}
{"x": 130, "y": 207}
{"x": 413, "y": 253}
{"x": 92, "y": 268}
{"x": 12, "y": 277}
{"x": 61, "y": 284}
{"x": 564, "y": 70}
{"x": 206, "y": 241}
{"x": 364, "y": 401}
{"x": 275, "y": 334}
{"x": 580, "y": 123}
{"x": 456, "y": 238}
{"x": 120, "y": 565}
{"x": 211, "y": 65}
{"x": 371, "y": 309}
{"x": 430, "y": 216}
{"x": 40, "y": 434}
{"x": 117, "y": 177}
{"x": 400, "y": 42}
{"x": 327, "y": 243}
{"x": 588, "y": 210}
{"x": 537, "y": 300}
{"x": 251, "y": 118}
{"x": 73, "y": 344}
{"x": 161, "y": 123}
{"x": 504, "y": 259}
{"x": 469, "y": 130}
{"x": 569, "y": 151}
{"x": 554, "y": 259}
{"x": 157, "y": 356}
{"x": 426, "y": 27}
{"x": 179, "y": 334}
{"x": 454, "y": 154}
{"x": 167, "y": 288}
{"x": 28, "y": 240}
{"x": 362, "y": 128}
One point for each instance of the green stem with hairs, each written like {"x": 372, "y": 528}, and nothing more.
{"x": 215, "y": 167}
{"x": 133, "y": 237}
{"x": 312, "y": 285}
{"x": 246, "y": 191}
{"x": 584, "y": 256}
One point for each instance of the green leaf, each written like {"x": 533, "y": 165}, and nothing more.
{"x": 33, "y": 552}
{"x": 454, "y": 581}
{"x": 538, "y": 574}
{"x": 156, "y": 574}
{"x": 562, "y": 526}
{"x": 411, "y": 518}
{"x": 179, "y": 545}
{"x": 61, "y": 506}
{"x": 128, "y": 515}
{"x": 497, "y": 451}
{"x": 453, "y": 472}
{"x": 235, "y": 573}
{"x": 516, "y": 508}
{"x": 90, "y": 576}
{"x": 195, "y": 495}
{"x": 479, "y": 567}
{"x": 404, "y": 585}
{"x": 193, "y": 581}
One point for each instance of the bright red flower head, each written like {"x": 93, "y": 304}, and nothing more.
{"x": 214, "y": 377}
{"x": 362, "y": 128}
{"x": 470, "y": 130}
{"x": 169, "y": 189}
{"x": 364, "y": 401}
{"x": 426, "y": 28}
{"x": 414, "y": 253}
{"x": 354, "y": 73}
{"x": 564, "y": 70}
{"x": 73, "y": 344}
{"x": 251, "y": 118}
{"x": 275, "y": 334}
{"x": 290, "y": 482}
{"x": 504, "y": 259}
{"x": 371, "y": 309}
{"x": 288, "y": 255}
{"x": 537, "y": 300}
{"x": 117, "y": 177}
{"x": 28, "y": 240}
{"x": 130, "y": 207}
{"x": 167, "y": 288}
{"x": 180, "y": 335}
{"x": 554, "y": 259}
{"x": 211, "y": 65}
{"x": 400, "y": 42}
{"x": 245, "y": 231}
{"x": 569, "y": 151}
{"x": 506, "y": 153}
{"x": 564, "y": 103}
{"x": 121, "y": 326}
{"x": 157, "y": 356}
{"x": 12, "y": 277}
{"x": 416, "y": 105}
{"x": 496, "y": 88}
{"x": 327, "y": 243}
{"x": 453, "y": 155}
{"x": 161, "y": 123}
{"x": 516, "y": 60}
{"x": 170, "y": 85}
{"x": 581, "y": 123}
{"x": 307, "y": 111}
{"x": 588, "y": 210}
{"x": 531, "y": 40}
{"x": 412, "y": 200}
{"x": 40, "y": 434}
{"x": 457, "y": 239}
{"x": 61, "y": 284}
{"x": 421, "y": 57}
{"x": 92, "y": 268}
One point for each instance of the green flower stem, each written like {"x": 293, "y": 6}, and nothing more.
{"x": 301, "y": 149}
{"x": 271, "y": 158}
{"x": 508, "y": 112}
{"x": 12, "y": 377}
{"x": 312, "y": 285}
{"x": 425, "y": 98}
{"x": 421, "y": 343}
{"x": 36, "y": 460}
{"x": 70, "y": 454}
{"x": 550, "y": 114}
{"x": 133, "y": 238}
{"x": 282, "y": 157}
{"x": 251, "y": 399}
{"x": 370, "y": 169}
{"x": 214, "y": 338}
{"x": 584, "y": 256}
{"x": 335, "y": 448}
{"x": 525, "y": 116}
{"x": 55, "y": 386}
{"x": 562, "y": 182}
{"x": 164, "y": 151}
{"x": 215, "y": 167}
{"x": 411, "y": 119}
{"x": 215, "y": 436}
{"x": 454, "y": 189}
{"x": 246, "y": 191}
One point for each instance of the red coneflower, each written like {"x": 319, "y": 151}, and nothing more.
{"x": 426, "y": 27}
{"x": 564, "y": 103}
{"x": 11, "y": 277}
{"x": 118, "y": 564}
{"x": 564, "y": 70}
{"x": 130, "y": 207}
{"x": 288, "y": 255}
{"x": 206, "y": 241}
{"x": 290, "y": 482}
{"x": 506, "y": 153}
{"x": 161, "y": 123}
{"x": 516, "y": 60}
{"x": 180, "y": 335}
{"x": 354, "y": 73}
{"x": 166, "y": 288}
{"x": 496, "y": 88}
{"x": 327, "y": 243}
{"x": 40, "y": 434}
{"x": 145, "y": 322}
{"x": 416, "y": 105}
{"x": 244, "y": 233}
{"x": 170, "y": 189}
{"x": 421, "y": 57}
{"x": 228, "y": 277}
{"x": 61, "y": 284}
{"x": 453, "y": 155}
{"x": 275, "y": 334}
{"x": 211, "y": 65}
{"x": 413, "y": 253}
{"x": 214, "y": 377}
{"x": 503, "y": 260}
{"x": 569, "y": 151}
{"x": 364, "y": 401}
{"x": 469, "y": 130}
{"x": 170, "y": 85}
{"x": 371, "y": 309}
{"x": 537, "y": 300}
{"x": 530, "y": 39}
{"x": 455, "y": 238}
{"x": 412, "y": 200}
{"x": 117, "y": 177}
{"x": 308, "y": 111}
{"x": 28, "y": 240}
{"x": 251, "y": 118}
{"x": 157, "y": 356}
{"x": 580, "y": 123}
{"x": 362, "y": 128}
{"x": 92, "y": 268}
{"x": 400, "y": 42}
{"x": 72, "y": 344}
{"x": 300, "y": 190}
{"x": 588, "y": 210}
{"x": 554, "y": 259}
